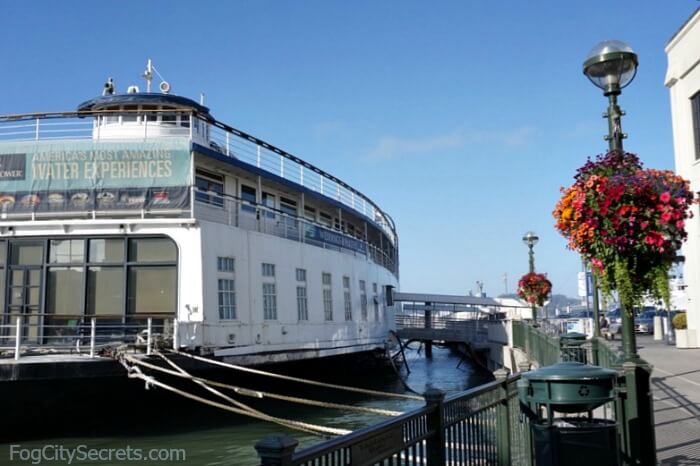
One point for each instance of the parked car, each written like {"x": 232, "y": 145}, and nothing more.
{"x": 644, "y": 323}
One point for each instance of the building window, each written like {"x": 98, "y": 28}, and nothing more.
{"x": 225, "y": 264}
{"x": 227, "y": 299}
{"x": 363, "y": 300}
{"x": 302, "y": 304}
{"x": 301, "y": 275}
{"x": 210, "y": 188}
{"x": 695, "y": 103}
{"x": 269, "y": 301}
{"x": 268, "y": 270}
{"x": 346, "y": 298}
{"x": 327, "y": 297}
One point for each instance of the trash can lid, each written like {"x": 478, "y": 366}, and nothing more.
{"x": 570, "y": 371}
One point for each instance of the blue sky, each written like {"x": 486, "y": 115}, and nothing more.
{"x": 461, "y": 119}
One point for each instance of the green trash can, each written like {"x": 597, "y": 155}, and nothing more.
{"x": 570, "y": 347}
{"x": 570, "y": 387}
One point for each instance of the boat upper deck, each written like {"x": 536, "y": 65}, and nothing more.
{"x": 117, "y": 123}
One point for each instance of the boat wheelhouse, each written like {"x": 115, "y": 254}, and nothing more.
{"x": 142, "y": 207}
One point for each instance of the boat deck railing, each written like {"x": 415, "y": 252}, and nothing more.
{"x": 40, "y": 333}
{"x": 222, "y": 138}
{"x": 251, "y": 216}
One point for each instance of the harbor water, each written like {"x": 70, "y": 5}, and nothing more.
{"x": 125, "y": 415}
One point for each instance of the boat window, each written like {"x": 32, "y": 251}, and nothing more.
{"x": 268, "y": 270}
{"x": 226, "y": 264}
{"x": 152, "y": 250}
{"x": 169, "y": 118}
{"x": 326, "y": 219}
{"x": 106, "y": 250}
{"x": 66, "y": 251}
{"x": 288, "y": 206}
{"x": 105, "y": 291}
{"x": 327, "y": 296}
{"x": 129, "y": 114}
{"x": 111, "y": 116}
{"x": 227, "y": 299}
{"x": 61, "y": 297}
{"x": 268, "y": 200}
{"x": 184, "y": 119}
{"x": 27, "y": 253}
{"x": 149, "y": 112}
{"x": 301, "y": 275}
{"x": 310, "y": 213}
{"x": 210, "y": 188}
{"x": 249, "y": 197}
{"x": 152, "y": 290}
{"x": 269, "y": 301}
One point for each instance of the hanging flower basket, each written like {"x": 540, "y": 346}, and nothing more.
{"x": 534, "y": 288}
{"x": 628, "y": 222}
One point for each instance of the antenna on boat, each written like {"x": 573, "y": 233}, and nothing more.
{"x": 148, "y": 75}
{"x": 164, "y": 85}
{"x": 201, "y": 98}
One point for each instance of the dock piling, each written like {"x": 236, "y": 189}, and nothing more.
{"x": 92, "y": 337}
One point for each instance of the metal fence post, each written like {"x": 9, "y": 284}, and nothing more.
{"x": 503, "y": 421}
{"x": 176, "y": 343}
{"x": 435, "y": 447}
{"x": 92, "y": 337}
{"x": 276, "y": 450}
{"x": 149, "y": 332}
{"x": 18, "y": 336}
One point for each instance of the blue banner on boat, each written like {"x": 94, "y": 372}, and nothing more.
{"x": 51, "y": 166}
{"x": 338, "y": 239}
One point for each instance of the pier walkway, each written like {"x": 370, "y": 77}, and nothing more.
{"x": 676, "y": 389}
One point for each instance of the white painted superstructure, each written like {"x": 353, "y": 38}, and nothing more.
{"x": 147, "y": 207}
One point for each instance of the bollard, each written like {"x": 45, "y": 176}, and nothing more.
{"x": 658, "y": 329}
{"x": 435, "y": 448}
{"x": 276, "y": 450}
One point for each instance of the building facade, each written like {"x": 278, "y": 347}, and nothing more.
{"x": 683, "y": 82}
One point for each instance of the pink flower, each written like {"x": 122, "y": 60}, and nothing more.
{"x": 665, "y": 197}
{"x": 665, "y": 217}
{"x": 680, "y": 224}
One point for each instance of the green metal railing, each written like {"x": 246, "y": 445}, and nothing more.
{"x": 540, "y": 347}
{"x": 482, "y": 425}
{"x": 634, "y": 411}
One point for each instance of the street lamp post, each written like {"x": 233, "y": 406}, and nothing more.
{"x": 530, "y": 239}
{"x": 611, "y": 66}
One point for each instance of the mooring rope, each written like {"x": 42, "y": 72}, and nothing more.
{"x": 296, "y": 379}
{"x": 135, "y": 372}
{"x": 261, "y": 394}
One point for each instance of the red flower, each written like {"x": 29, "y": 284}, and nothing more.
{"x": 665, "y": 197}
